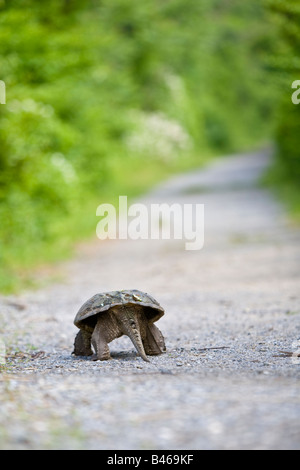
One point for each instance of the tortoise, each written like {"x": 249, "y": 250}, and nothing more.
{"x": 109, "y": 315}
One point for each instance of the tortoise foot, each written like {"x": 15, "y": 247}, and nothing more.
{"x": 101, "y": 358}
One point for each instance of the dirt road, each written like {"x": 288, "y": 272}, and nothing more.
{"x": 239, "y": 295}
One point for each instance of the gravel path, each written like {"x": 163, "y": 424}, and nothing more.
{"x": 230, "y": 309}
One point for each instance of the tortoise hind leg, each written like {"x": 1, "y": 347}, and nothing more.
{"x": 82, "y": 344}
{"x": 100, "y": 340}
{"x": 154, "y": 342}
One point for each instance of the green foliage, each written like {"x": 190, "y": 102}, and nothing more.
{"x": 286, "y": 64}
{"x": 104, "y": 98}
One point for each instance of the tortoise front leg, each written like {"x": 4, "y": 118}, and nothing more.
{"x": 82, "y": 344}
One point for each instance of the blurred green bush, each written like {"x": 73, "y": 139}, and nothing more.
{"x": 285, "y": 61}
{"x": 104, "y": 98}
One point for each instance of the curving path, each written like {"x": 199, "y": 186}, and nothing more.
{"x": 230, "y": 309}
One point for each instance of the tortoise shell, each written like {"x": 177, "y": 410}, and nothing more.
{"x": 99, "y": 303}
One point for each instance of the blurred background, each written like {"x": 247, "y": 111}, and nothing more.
{"x": 109, "y": 97}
